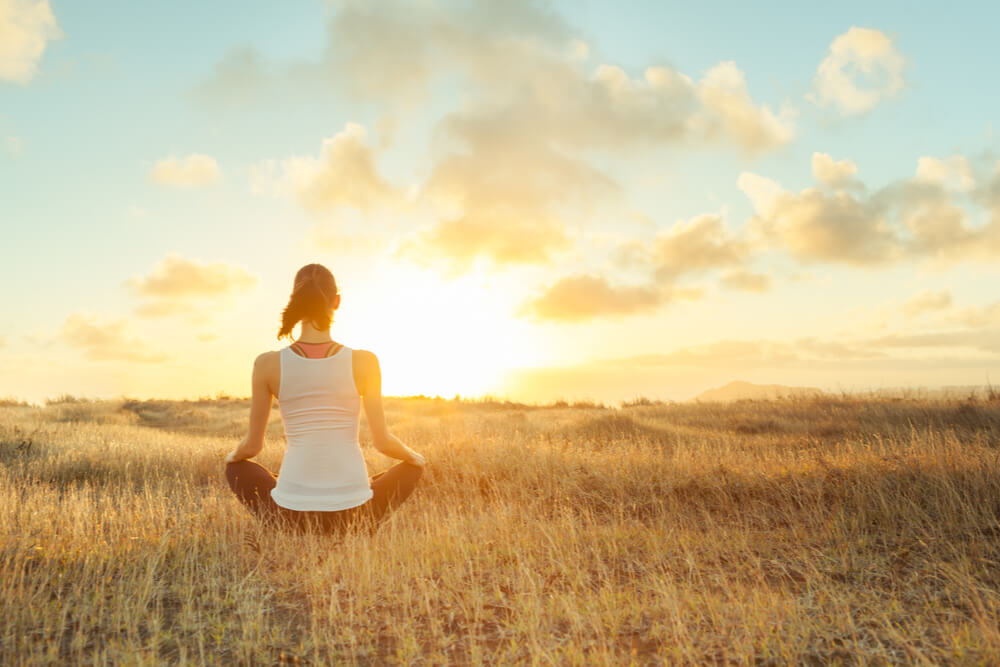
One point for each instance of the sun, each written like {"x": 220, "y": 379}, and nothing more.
{"x": 438, "y": 337}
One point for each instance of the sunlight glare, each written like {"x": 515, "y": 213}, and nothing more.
{"x": 437, "y": 338}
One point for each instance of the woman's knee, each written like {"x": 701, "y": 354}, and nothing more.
{"x": 414, "y": 472}
{"x": 246, "y": 473}
{"x": 232, "y": 472}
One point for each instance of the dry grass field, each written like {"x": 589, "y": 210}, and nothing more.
{"x": 816, "y": 531}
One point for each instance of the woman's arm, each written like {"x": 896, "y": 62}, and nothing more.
{"x": 371, "y": 393}
{"x": 260, "y": 410}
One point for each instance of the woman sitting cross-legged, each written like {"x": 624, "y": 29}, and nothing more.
{"x": 320, "y": 386}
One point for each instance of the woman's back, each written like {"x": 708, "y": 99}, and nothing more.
{"x": 323, "y": 475}
{"x": 323, "y": 468}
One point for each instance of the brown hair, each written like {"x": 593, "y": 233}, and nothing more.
{"x": 312, "y": 299}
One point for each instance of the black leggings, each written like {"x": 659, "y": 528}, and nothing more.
{"x": 252, "y": 484}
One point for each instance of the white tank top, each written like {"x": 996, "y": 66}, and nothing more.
{"x": 323, "y": 469}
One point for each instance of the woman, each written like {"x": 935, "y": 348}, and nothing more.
{"x": 320, "y": 385}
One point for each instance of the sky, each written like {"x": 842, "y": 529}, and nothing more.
{"x": 527, "y": 200}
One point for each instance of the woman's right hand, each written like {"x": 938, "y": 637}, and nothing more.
{"x": 416, "y": 459}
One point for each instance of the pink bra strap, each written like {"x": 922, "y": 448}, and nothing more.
{"x": 315, "y": 350}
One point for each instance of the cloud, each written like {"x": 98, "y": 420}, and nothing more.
{"x": 936, "y": 227}
{"x": 500, "y": 237}
{"x": 26, "y": 26}
{"x": 505, "y": 200}
{"x": 583, "y": 297}
{"x": 763, "y": 192}
{"x": 689, "y": 247}
{"x": 344, "y": 174}
{"x": 746, "y": 281}
{"x": 861, "y": 69}
{"x": 192, "y": 171}
{"x": 818, "y": 226}
{"x": 391, "y": 50}
{"x": 730, "y": 112}
{"x": 175, "y": 276}
{"x": 833, "y": 173}
{"x": 179, "y": 287}
{"x": 106, "y": 340}
{"x": 952, "y": 173}
{"x": 699, "y": 244}
{"x": 927, "y": 301}
{"x": 917, "y": 218}
{"x": 544, "y": 96}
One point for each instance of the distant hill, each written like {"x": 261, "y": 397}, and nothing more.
{"x": 737, "y": 391}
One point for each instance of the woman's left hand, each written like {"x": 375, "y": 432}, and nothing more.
{"x": 234, "y": 456}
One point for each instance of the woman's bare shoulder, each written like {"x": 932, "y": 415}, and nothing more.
{"x": 365, "y": 357}
{"x": 267, "y": 360}
{"x": 366, "y": 369}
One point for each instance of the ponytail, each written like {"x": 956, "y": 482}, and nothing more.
{"x": 312, "y": 299}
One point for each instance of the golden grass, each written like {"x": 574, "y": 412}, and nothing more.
{"x": 812, "y": 531}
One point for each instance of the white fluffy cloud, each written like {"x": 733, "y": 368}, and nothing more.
{"x": 692, "y": 247}
{"x": 175, "y": 276}
{"x": 344, "y": 174}
{"x": 918, "y": 218}
{"x": 178, "y": 287}
{"x": 193, "y": 171}
{"x": 584, "y": 297}
{"x": 607, "y": 109}
{"x": 862, "y": 68}
{"x": 813, "y": 225}
{"x": 699, "y": 244}
{"x": 730, "y": 109}
{"x": 506, "y": 199}
{"x": 832, "y": 173}
{"x": 26, "y": 26}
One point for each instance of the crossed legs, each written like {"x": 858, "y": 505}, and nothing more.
{"x": 252, "y": 484}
